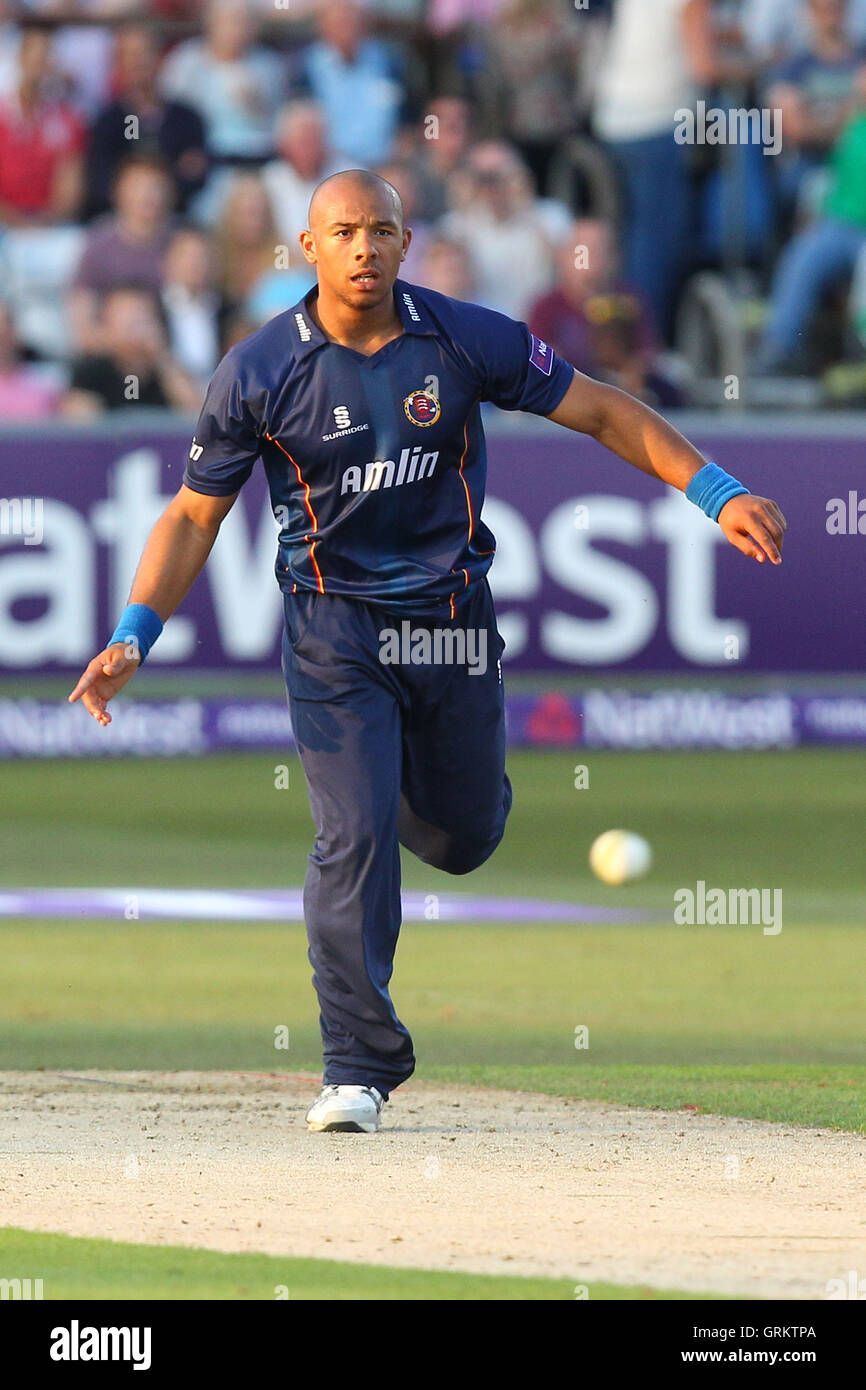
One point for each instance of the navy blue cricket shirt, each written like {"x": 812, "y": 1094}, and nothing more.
{"x": 377, "y": 465}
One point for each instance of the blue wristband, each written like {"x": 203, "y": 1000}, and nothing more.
{"x": 711, "y": 488}
{"x": 139, "y": 625}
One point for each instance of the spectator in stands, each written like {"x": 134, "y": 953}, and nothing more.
{"x": 445, "y": 140}
{"x": 128, "y": 245}
{"x": 534, "y": 48}
{"x": 510, "y": 233}
{"x": 139, "y": 120}
{"x": 598, "y": 323}
{"x": 303, "y": 160}
{"x": 246, "y": 241}
{"x": 857, "y": 301}
{"x": 446, "y": 267}
{"x": 41, "y": 143}
{"x": 191, "y": 305}
{"x": 774, "y": 30}
{"x": 277, "y": 289}
{"x": 235, "y": 85}
{"x": 84, "y": 51}
{"x": 360, "y": 83}
{"x": 456, "y": 37}
{"x": 401, "y": 173}
{"x": 446, "y": 16}
{"x": 815, "y": 91}
{"x": 237, "y": 327}
{"x": 133, "y": 367}
{"x": 820, "y": 258}
{"x": 27, "y": 390}
{"x": 10, "y": 43}
{"x": 655, "y": 59}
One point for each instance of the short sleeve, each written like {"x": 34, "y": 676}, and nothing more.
{"x": 520, "y": 371}
{"x": 227, "y": 438}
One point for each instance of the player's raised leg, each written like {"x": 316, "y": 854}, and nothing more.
{"x": 456, "y": 795}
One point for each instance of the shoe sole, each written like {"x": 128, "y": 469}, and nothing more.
{"x": 341, "y": 1127}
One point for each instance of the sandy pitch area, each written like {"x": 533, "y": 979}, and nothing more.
{"x": 483, "y": 1180}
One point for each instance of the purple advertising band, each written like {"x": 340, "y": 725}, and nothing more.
{"x": 657, "y": 719}
{"x": 599, "y": 568}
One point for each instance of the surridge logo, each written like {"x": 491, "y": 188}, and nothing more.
{"x": 411, "y": 468}
{"x": 344, "y": 426}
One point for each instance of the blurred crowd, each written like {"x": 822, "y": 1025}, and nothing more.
{"x": 157, "y": 161}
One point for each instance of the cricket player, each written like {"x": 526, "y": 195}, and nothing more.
{"x": 363, "y": 402}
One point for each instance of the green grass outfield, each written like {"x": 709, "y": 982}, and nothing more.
{"x": 76, "y": 1268}
{"x": 779, "y": 819}
{"x": 724, "y": 1018}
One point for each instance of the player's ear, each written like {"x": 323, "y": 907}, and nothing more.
{"x": 407, "y": 237}
{"x": 307, "y": 243}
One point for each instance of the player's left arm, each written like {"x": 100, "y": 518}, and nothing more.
{"x": 755, "y": 525}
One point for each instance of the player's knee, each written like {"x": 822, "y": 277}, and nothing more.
{"x": 460, "y": 848}
{"x": 463, "y": 853}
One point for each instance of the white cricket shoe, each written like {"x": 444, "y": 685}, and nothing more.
{"x": 346, "y": 1110}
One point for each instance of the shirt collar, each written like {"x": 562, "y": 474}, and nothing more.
{"x": 306, "y": 332}
{"x": 412, "y": 313}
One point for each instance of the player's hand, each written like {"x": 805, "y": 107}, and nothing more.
{"x": 104, "y": 677}
{"x": 754, "y": 525}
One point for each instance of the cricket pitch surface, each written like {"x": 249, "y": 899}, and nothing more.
{"x": 482, "y": 1180}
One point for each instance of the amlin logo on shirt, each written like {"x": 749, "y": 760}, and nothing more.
{"x": 412, "y": 467}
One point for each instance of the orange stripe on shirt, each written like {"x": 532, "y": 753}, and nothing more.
{"x": 320, "y": 585}
{"x": 464, "y": 482}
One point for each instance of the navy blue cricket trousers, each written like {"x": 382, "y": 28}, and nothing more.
{"x": 403, "y": 753}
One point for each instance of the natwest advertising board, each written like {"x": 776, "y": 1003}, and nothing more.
{"x": 598, "y": 567}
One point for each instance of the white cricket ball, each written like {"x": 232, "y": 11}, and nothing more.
{"x": 619, "y": 856}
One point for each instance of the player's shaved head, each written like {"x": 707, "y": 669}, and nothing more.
{"x": 359, "y": 186}
{"x": 357, "y": 240}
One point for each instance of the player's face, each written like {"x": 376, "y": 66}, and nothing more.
{"x": 357, "y": 242}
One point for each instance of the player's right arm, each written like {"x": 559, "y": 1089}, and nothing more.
{"x": 224, "y": 449}
{"x": 172, "y": 560}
